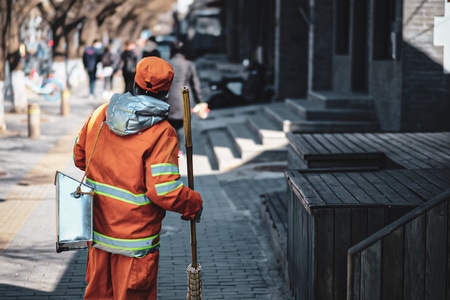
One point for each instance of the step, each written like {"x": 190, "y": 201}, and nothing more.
{"x": 245, "y": 141}
{"x": 293, "y": 122}
{"x": 279, "y": 115}
{"x": 332, "y": 99}
{"x": 274, "y": 215}
{"x": 216, "y": 122}
{"x": 267, "y": 132}
{"x": 314, "y": 110}
{"x": 248, "y": 146}
{"x": 331, "y": 126}
{"x": 210, "y": 154}
{"x": 224, "y": 155}
{"x": 220, "y": 118}
{"x": 234, "y": 112}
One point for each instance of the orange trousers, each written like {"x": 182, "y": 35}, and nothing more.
{"x": 118, "y": 277}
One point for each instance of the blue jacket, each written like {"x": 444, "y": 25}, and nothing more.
{"x": 91, "y": 57}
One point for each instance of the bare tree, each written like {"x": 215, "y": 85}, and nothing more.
{"x": 20, "y": 11}
{"x": 62, "y": 16}
{"x": 91, "y": 19}
{"x": 5, "y": 19}
{"x": 133, "y": 16}
{"x": 12, "y": 14}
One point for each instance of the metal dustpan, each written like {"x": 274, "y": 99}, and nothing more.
{"x": 73, "y": 213}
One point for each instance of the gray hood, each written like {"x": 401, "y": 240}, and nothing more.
{"x": 128, "y": 114}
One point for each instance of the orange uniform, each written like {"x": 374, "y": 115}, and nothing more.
{"x": 134, "y": 171}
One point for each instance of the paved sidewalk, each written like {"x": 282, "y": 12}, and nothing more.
{"x": 233, "y": 248}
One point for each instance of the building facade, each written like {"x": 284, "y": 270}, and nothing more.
{"x": 383, "y": 49}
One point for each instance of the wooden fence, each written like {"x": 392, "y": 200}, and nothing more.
{"x": 408, "y": 259}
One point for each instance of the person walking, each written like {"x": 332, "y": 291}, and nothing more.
{"x": 92, "y": 55}
{"x": 109, "y": 65}
{"x": 128, "y": 60}
{"x": 133, "y": 167}
{"x": 151, "y": 48}
{"x": 185, "y": 75}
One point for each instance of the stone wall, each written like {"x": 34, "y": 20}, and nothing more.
{"x": 426, "y": 90}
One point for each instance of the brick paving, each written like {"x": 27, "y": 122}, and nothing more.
{"x": 233, "y": 248}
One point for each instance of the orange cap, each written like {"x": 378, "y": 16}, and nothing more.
{"x": 153, "y": 74}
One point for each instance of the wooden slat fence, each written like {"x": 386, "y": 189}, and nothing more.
{"x": 406, "y": 260}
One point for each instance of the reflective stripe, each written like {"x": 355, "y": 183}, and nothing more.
{"x": 165, "y": 169}
{"x": 167, "y": 187}
{"x": 128, "y": 247}
{"x": 119, "y": 194}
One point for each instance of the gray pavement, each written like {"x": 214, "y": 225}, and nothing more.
{"x": 233, "y": 247}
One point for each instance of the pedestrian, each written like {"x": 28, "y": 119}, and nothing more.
{"x": 151, "y": 48}
{"x": 91, "y": 57}
{"x": 109, "y": 61}
{"x": 133, "y": 167}
{"x": 185, "y": 75}
{"x": 128, "y": 62}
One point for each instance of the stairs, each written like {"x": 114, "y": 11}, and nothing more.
{"x": 235, "y": 136}
{"x": 257, "y": 133}
{"x": 332, "y": 112}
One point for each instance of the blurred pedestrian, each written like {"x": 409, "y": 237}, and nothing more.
{"x": 128, "y": 62}
{"x": 133, "y": 193}
{"x": 151, "y": 48}
{"x": 109, "y": 65}
{"x": 185, "y": 75}
{"x": 91, "y": 57}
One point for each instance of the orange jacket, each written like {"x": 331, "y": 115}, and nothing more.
{"x": 136, "y": 179}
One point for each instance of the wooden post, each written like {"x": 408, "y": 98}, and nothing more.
{"x": 65, "y": 103}
{"x": 34, "y": 121}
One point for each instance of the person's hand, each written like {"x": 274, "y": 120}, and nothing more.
{"x": 201, "y": 110}
{"x": 196, "y": 217}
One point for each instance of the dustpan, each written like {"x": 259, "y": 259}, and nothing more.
{"x": 73, "y": 213}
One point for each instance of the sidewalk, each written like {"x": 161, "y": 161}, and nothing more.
{"x": 233, "y": 247}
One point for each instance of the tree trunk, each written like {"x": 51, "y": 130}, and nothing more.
{"x": 17, "y": 76}
{"x": 90, "y": 31}
{"x": 2, "y": 109}
{"x": 72, "y": 44}
{"x": 5, "y": 17}
{"x": 20, "y": 94}
{"x": 59, "y": 51}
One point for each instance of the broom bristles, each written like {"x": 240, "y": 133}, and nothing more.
{"x": 194, "y": 283}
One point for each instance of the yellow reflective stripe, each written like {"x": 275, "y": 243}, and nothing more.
{"x": 165, "y": 169}
{"x": 118, "y": 193}
{"x": 125, "y": 244}
{"x": 167, "y": 187}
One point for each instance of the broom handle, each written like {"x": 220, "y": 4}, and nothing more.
{"x": 190, "y": 173}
